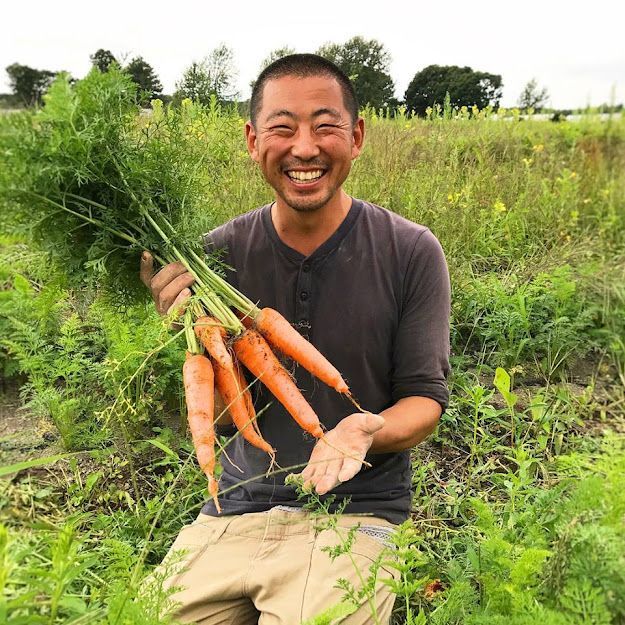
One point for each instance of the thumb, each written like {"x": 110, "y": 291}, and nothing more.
{"x": 146, "y": 271}
{"x": 373, "y": 422}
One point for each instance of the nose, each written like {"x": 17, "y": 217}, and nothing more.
{"x": 304, "y": 145}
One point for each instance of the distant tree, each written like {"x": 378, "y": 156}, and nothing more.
{"x": 367, "y": 63}
{"x": 532, "y": 97}
{"x": 214, "y": 75}
{"x": 195, "y": 84}
{"x": 222, "y": 73}
{"x": 29, "y": 84}
{"x": 102, "y": 59}
{"x": 465, "y": 86}
{"x": 274, "y": 55}
{"x": 143, "y": 74}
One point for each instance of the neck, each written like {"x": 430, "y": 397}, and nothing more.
{"x": 305, "y": 231}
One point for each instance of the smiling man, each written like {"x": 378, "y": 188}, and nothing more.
{"x": 371, "y": 291}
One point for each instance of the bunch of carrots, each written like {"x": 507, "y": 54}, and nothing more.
{"x": 263, "y": 331}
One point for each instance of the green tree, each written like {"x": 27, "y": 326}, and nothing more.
{"x": 367, "y": 63}
{"x": 465, "y": 86}
{"x": 144, "y": 76}
{"x": 214, "y": 75}
{"x": 102, "y": 59}
{"x": 29, "y": 84}
{"x": 532, "y": 97}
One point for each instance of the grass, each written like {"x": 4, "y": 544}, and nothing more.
{"x": 518, "y": 504}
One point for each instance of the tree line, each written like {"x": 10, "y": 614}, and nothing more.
{"x": 366, "y": 62}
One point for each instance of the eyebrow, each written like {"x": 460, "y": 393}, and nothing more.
{"x": 317, "y": 113}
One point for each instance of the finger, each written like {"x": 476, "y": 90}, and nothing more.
{"x": 349, "y": 468}
{"x": 314, "y": 471}
{"x": 165, "y": 276}
{"x": 317, "y": 463}
{"x": 329, "y": 479}
{"x": 146, "y": 271}
{"x": 168, "y": 295}
{"x": 311, "y": 470}
{"x": 178, "y": 307}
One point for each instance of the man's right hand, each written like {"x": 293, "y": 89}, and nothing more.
{"x": 169, "y": 286}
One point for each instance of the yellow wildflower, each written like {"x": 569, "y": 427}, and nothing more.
{"x": 499, "y": 207}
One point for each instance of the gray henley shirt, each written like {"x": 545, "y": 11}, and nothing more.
{"x": 375, "y": 300}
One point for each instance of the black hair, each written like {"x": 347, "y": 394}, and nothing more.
{"x": 303, "y": 66}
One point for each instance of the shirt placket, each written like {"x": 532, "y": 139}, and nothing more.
{"x": 303, "y": 297}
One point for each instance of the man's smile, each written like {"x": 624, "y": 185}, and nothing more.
{"x": 304, "y": 177}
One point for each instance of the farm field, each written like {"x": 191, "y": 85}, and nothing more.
{"x": 518, "y": 513}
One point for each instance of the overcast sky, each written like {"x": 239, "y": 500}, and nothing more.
{"x": 575, "y": 49}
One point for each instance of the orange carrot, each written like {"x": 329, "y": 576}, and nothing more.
{"x": 247, "y": 396}
{"x": 198, "y": 377}
{"x": 212, "y": 336}
{"x": 227, "y": 384}
{"x": 254, "y": 352}
{"x": 282, "y": 335}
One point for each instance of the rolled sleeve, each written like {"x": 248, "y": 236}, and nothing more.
{"x": 421, "y": 348}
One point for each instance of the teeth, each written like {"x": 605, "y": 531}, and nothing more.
{"x": 305, "y": 175}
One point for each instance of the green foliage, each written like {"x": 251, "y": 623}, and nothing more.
{"x": 366, "y": 62}
{"x": 143, "y": 75}
{"x": 29, "y": 84}
{"x": 518, "y": 497}
{"x": 103, "y": 59}
{"x": 83, "y": 153}
{"x": 213, "y": 77}
{"x": 66, "y": 341}
{"x": 465, "y": 86}
{"x": 510, "y": 320}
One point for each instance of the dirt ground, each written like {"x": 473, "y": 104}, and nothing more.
{"x": 23, "y": 436}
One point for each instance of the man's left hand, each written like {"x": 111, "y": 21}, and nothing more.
{"x": 339, "y": 455}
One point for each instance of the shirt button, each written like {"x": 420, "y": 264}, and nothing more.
{"x": 303, "y": 296}
{"x": 306, "y": 267}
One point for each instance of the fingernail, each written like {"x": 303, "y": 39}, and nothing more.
{"x": 144, "y": 256}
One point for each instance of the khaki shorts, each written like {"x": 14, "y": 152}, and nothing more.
{"x": 271, "y": 568}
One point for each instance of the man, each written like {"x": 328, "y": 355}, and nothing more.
{"x": 371, "y": 291}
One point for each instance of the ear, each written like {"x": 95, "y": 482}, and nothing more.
{"x": 358, "y": 137}
{"x": 250, "y": 139}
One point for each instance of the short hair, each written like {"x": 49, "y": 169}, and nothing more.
{"x": 303, "y": 66}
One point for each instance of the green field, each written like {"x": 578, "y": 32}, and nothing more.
{"x": 519, "y": 502}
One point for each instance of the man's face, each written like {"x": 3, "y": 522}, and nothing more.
{"x": 304, "y": 139}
